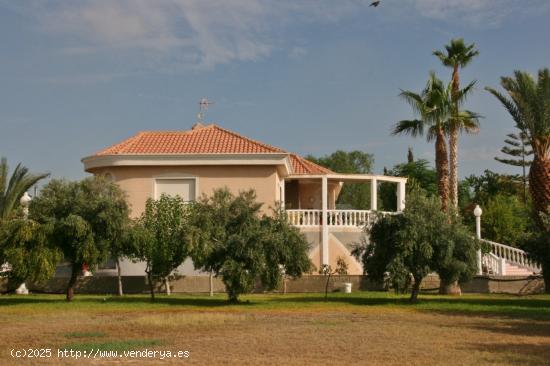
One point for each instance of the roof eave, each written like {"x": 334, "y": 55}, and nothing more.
{"x": 118, "y": 160}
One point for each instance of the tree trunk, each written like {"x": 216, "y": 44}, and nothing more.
{"x": 539, "y": 185}
{"x": 119, "y": 275}
{"x": 326, "y": 286}
{"x": 151, "y": 285}
{"x": 450, "y": 288}
{"x": 546, "y": 277}
{"x": 453, "y": 140}
{"x": 453, "y": 165}
{"x": 211, "y": 284}
{"x": 167, "y": 285}
{"x": 442, "y": 168}
{"x": 75, "y": 271}
{"x": 415, "y": 290}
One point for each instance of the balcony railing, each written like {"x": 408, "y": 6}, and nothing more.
{"x": 339, "y": 218}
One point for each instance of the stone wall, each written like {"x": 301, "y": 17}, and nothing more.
{"x": 306, "y": 284}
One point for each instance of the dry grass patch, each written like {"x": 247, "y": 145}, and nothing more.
{"x": 361, "y": 329}
{"x": 181, "y": 319}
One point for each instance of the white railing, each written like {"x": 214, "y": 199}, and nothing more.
{"x": 339, "y": 218}
{"x": 493, "y": 265}
{"x": 349, "y": 217}
{"x": 304, "y": 217}
{"x": 513, "y": 255}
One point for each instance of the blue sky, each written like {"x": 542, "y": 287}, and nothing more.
{"x": 308, "y": 76}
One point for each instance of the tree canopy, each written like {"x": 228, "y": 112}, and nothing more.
{"x": 85, "y": 217}
{"x": 230, "y": 239}
{"x": 355, "y": 196}
{"x": 159, "y": 238}
{"x": 420, "y": 241}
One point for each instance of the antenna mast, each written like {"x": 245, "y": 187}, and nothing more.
{"x": 204, "y": 103}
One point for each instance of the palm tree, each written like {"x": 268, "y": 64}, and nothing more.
{"x": 529, "y": 105}
{"x": 456, "y": 55}
{"x": 433, "y": 107}
{"x": 11, "y": 190}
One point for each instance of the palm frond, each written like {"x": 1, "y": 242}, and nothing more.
{"x": 413, "y": 128}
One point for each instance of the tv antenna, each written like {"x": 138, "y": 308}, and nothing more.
{"x": 204, "y": 103}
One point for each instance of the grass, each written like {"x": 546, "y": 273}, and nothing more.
{"x": 364, "y": 327}
{"x": 85, "y": 335}
{"x": 132, "y": 344}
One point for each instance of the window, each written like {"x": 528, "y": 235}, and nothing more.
{"x": 108, "y": 264}
{"x": 185, "y": 188}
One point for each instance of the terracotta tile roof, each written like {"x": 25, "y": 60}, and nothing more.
{"x": 304, "y": 166}
{"x": 210, "y": 139}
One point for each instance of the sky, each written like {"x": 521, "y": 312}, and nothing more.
{"x": 311, "y": 77}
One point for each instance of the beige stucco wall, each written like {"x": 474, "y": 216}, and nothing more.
{"x": 341, "y": 241}
{"x": 138, "y": 182}
{"x": 309, "y": 195}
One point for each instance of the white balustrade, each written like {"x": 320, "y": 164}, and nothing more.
{"x": 340, "y": 218}
{"x": 513, "y": 255}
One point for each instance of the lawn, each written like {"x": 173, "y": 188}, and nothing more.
{"x": 364, "y": 328}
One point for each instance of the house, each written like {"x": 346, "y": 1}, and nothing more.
{"x": 197, "y": 161}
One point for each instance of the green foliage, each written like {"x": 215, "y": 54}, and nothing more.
{"x": 25, "y": 245}
{"x": 420, "y": 176}
{"x": 86, "y": 217}
{"x": 518, "y": 148}
{"x": 229, "y": 238}
{"x": 355, "y": 196}
{"x": 158, "y": 237}
{"x": 538, "y": 247}
{"x": 528, "y": 105}
{"x": 505, "y": 219}
{"x": 13, "y": 188}
{"x": 457, "y": 53}
{"x": 490, "y": 184}
{"x": 421, "y": 240}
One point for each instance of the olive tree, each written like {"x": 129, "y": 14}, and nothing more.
{"x": 406, "y": 248}
{"x": 85, "y": 218}
{"x": 26, "y": 250}
{"x": 159, "y": 238}
{"x": 231, "y": 239}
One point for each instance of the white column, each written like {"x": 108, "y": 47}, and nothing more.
{"x": 400, "y": 196}
{"x": 324, "y": 235}
{"x": 282, "y": 198}
{"x": 374, "y": 195}
{"x": 478, "y": 235}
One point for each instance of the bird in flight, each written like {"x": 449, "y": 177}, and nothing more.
{"x": 375, "y": 3}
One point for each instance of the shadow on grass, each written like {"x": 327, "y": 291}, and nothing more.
{"x": 517, "y": 328}
{"x": 513, "y": 353}
{"x": 14, "y": 300}
{"x": 479, "y": 305}
{"x": 493, "y": 305}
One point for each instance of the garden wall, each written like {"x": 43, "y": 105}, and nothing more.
{"x": 200, "y": 284}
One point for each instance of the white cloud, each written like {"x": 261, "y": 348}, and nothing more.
{"x": 171, "y": 35}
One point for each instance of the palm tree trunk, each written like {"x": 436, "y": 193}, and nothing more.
{"x": 442, "y": 168}
{"x": 453, "y": 168}
{"x": 453, "y": 140}
{"x": 539, "y": 185}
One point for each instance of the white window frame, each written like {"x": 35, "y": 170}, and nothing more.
{"x": 175, "y": 177}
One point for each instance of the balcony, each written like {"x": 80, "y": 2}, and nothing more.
{"x": 335, "y": 218}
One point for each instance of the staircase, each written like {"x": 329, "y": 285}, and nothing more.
{"x": 504, "y": 260}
